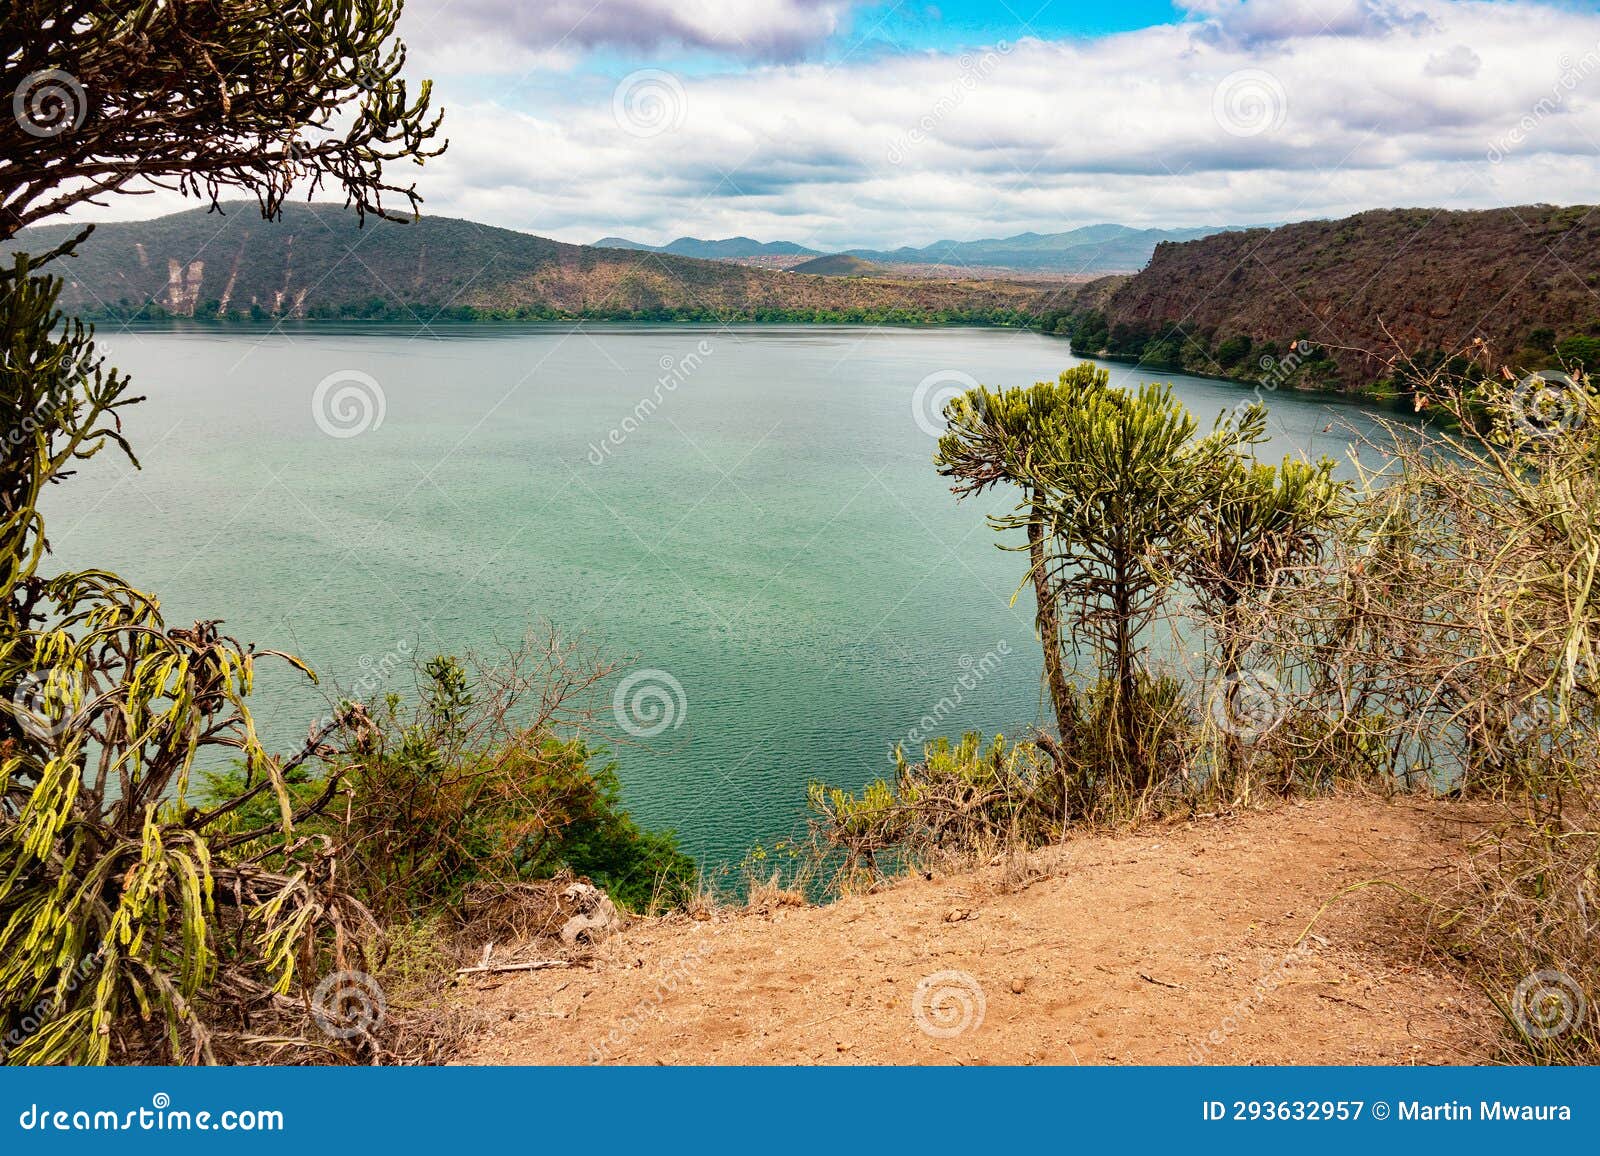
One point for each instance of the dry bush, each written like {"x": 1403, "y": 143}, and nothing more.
{"x": 1524, "y": 914}
{"x": 517, "y": 911}
{"x": 1451, "y": 646}
{"x": 1456, "y": 615}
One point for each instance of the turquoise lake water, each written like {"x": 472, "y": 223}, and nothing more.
{"x": 765, "y": 538}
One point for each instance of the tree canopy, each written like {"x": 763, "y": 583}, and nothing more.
{"x": 205, "y": 96}
{"x": 1121, "y": 500}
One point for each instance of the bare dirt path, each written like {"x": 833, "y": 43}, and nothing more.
{"x": 1175, "y": 944}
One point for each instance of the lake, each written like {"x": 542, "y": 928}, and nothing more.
{"x": 748, "y": 514}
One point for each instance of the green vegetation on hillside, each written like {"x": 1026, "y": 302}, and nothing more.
{"x": 1383, "y": 298}
{"x": 375, "y": 309}
{"x": 315, "y": 262}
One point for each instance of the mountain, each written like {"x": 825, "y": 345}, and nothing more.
{"x": 840, "y": 265}
{"x": 723, "y": 250}
{"x": 623, "y": 243}
{"x": 1090, "y": 249}
{"x": 1423, "y": 282}
{"x": 1237, "y": 303}
{"x": 316, "y": 262}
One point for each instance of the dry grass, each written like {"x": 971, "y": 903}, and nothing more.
{"x": 1523, "y": 914}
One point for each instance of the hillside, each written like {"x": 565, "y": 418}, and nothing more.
{"x": 1361, "y": 289}
{"x": 839, "y": 265}
{"x": 1232, "y": 304}
{"x": 1196, "y": 943}
{"x": 316, "y": 262}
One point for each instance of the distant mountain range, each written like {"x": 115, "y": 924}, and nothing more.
{"x": 316, "y": 262}
{"x": 725, "y": 249}
{"x": 1092, "y": 249}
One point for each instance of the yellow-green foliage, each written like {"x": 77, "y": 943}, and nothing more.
{"x": 957, "y": 799}
{"x": 1121, "y": 500}
{"x": 110, "y": 879}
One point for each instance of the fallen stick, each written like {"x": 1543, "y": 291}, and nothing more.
{"x": 1160, "y": 982}
{"x": 494, "y": 968}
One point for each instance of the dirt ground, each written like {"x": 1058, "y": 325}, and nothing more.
{"x": 1180, "y": 943}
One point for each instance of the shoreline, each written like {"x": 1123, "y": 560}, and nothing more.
{"x": 420, "y": 326}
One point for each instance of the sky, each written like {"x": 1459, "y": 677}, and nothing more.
{"x": 839, "y": 124}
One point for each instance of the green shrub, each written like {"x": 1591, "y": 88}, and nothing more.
{"x": 957, "y": 801}
{"x": 461, "y": 789}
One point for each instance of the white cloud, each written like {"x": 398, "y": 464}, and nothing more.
{"x": 1458, "y": 60}
{"x": 1046, "y": 135}
{"x": 747, "y": 29}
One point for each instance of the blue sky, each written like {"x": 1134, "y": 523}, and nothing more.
{"x": 965, "y": 22}
{"x": 838, "y": 124}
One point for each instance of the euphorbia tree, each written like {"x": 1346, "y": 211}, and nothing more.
{"x": 993, "y": 440}
{"x": 1120, "y": 500}
{"x": 204, "y": 96}
{"x": 1257, "y": 523}
{"x": 1122, "y": 476}
{"x": 128, "y": 915}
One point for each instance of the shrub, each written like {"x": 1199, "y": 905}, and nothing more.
{"x": 1451, "y": 644}
{"x": 473, "y": 785}
{"x": 958, "y": 801}
{"x": 1583, "y": 351}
